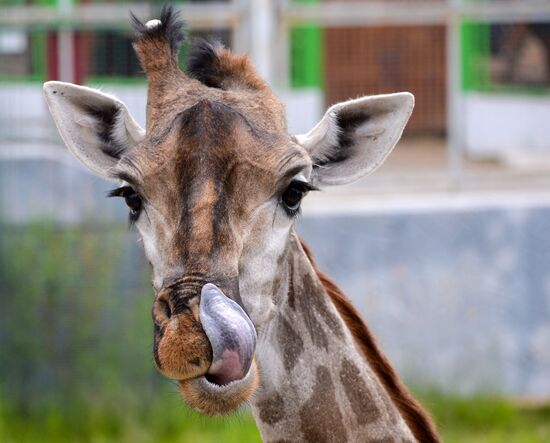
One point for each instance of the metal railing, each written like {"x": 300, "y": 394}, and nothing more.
{"x": 261, "y": 28}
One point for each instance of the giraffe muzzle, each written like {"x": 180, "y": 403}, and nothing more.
{"x": 231, "y": 334}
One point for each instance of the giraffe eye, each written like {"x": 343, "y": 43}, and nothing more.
{"x": 132, "y": 199}
{"x": 293, "y": 195}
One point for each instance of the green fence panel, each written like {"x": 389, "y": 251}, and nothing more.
{"x": 476, "y": 51}
{"x": 306, "y": 55}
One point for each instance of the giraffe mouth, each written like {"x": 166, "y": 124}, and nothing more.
{"x": 233, "y": 375}
{"x": 231, "y": 334}
{"x": 215, "y": 400}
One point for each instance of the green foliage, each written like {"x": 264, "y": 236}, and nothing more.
{"x": 67, "y": 329}
{"x": 76, "y": 344}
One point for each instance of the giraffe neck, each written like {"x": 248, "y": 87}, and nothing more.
{"x": 316, "y": 384}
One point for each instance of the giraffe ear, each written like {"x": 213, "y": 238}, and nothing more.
{"x": 355, "y": 137}
{"x": 96, "y": 127}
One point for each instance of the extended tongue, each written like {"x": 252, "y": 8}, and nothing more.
{"x": 231, "y": 334}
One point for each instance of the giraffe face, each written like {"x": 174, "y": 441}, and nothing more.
{"x": 213, "y": 185}
{"x": 214, "y": 199}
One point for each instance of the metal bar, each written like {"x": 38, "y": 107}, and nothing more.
{"x": 65, "y": 51}
{"x": 65, "y": 44}
{"x": 241, "y": 32}
{"x": 197, "y": 16}
{"x": 503, "y": 11}
{"x": 334, "y": 14}
{"x": 454, "y": 115}
{"x": 281, "y": 51}
{"x": 353, "y": 13}
{"x": 262, "y": 23}
{"x": 356, "y": 13}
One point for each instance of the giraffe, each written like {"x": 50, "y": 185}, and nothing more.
{"x": 214, "y": 183}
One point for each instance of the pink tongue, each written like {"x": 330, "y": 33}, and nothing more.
{"x": 231, "y": 334}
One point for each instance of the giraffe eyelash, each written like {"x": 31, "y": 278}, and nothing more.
{"x": 120, "y": 192}
{"x": 133, "y": 200}
{"x": 292, "y": 196}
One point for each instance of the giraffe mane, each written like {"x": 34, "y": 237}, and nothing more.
{"x": 416, "y": 418}
{"x": 217, "y": 67}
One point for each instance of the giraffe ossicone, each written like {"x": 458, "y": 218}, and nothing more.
{"x": 153, "y": 23}
{"x": 213, "y": 184}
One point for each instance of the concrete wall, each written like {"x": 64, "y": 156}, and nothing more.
{"x": 458, "y": 295}
{"x": 459, "y": 299}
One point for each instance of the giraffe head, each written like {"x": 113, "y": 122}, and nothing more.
{"x": 213, "y": 185}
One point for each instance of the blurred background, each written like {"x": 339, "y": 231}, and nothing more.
{"x": 445, "y": 249}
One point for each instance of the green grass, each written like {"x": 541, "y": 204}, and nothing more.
{"x": 487, "y": 419}
{"x": 479, "y": 419}
{"x": 166, "y": 420}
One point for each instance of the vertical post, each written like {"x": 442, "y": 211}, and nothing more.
{"x": 454, "y": 116}
{"x": 281, "y": 54}
{"x": 262, "y": 25}
{"x": 65, "y": 43}
{"x": 241, "y": 30}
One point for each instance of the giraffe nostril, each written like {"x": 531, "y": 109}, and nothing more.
{"x": 162, "y": 310}
{"x": 166, "y": 309}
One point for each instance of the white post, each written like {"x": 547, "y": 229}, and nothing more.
{"x": 281, "y": 49}
{"x": 262, "y": 25}
{"x": 65, "y": 44}
{"x": 240, "y": 30}
{"x": 454, "y": 80}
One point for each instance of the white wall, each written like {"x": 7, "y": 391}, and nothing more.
{"x": 24, "y": 114}
{"x": 22, "y": 111}
{"x": 507, "y": 126}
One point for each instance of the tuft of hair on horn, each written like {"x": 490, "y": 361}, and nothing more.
{"x": 157, "y": 42}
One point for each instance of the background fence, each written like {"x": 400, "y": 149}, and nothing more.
{"x": 474, "y": 66}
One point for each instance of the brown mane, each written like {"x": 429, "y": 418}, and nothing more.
{"x": 416, "y": 418}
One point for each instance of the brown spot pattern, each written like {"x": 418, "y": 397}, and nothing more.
{"x": 309, "y": 318}
{"x": 310, "y": 305}
{"x": 330, "y": 319}
{"x": 272, "y": 409}
{"x": 291, "y": 343}
{"x": 320, "y": 416}
{"x": 291, "y": 291}
{"x": 358, "y": 394}
{"x": 390, "y": 408}
{"x": 281, "y": 281}
{"x": 315, "y": 329}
